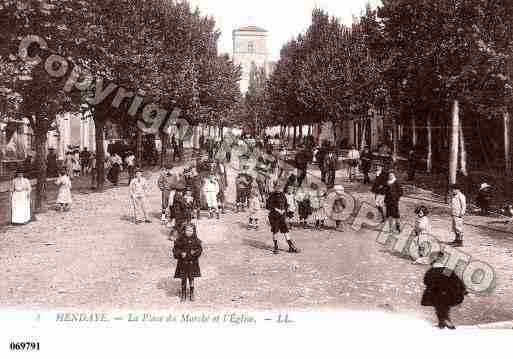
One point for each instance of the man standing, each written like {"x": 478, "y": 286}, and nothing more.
{"x": 393, "y": 194}
{"x": 130, "y": 166}
{"x": 321, "y": 155}
{"x": 354, "y": 159}
{"x": 51, "y": 163}
{"x": 85, "y": 157}
{"x": 458, "y": 210}
{"x": 330, "y": 168}
{"x": 378, "y": 188}
{"x": 277, "y": 207}
{"x": 301, "y": 165}
{"x": 366, "y": 164}
{"x": 412, "y": 164}
{"x": 138, "y": 187}
{"x": 167, "y": 184}
{"x": 94, "y": 172}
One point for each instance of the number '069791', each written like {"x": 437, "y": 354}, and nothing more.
{"x": 26, "y": 346}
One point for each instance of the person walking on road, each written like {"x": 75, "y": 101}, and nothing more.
{"x": 187, "y": 250}
{"x": 393, "y": 193}
{"x": 278, "y": 207}
{"x": 458, "y": 210}
{"x": 138, "y": 188}
{"x": 64, "y": 199}
{"x": 444, "y": 289}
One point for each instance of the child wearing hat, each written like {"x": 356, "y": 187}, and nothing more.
{"x": 187, "y": 250}
{"x": 421, "y": 228}
{"x": 444, "y": 289}
{"x": 458, "y": 210}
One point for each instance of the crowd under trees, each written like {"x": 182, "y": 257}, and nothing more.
{"x": 439, "y": 69}
{"x": 162, "y": 50}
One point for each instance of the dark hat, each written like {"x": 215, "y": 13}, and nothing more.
{"x": 455, "y": 186}
{"x": 138, "y": 169}
{"x": 168, "y": 166}
{"x": 422, "y": 209}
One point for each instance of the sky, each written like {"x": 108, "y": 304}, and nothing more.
{"x": 284, "y": 19}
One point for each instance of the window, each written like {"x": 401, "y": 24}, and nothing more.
{"x": 251, "y": 47}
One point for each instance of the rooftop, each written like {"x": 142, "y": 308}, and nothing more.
{"x": 251, "y": 28}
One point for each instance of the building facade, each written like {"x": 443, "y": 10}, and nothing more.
{"x": 250, "y": 50}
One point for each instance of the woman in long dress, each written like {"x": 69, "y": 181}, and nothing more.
{"x": 64, "y": 195}
{"x": 20, "y": 199}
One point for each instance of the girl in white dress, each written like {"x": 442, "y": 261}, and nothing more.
{"x": 64, "y": 195}
{"x": 20, "y": 199}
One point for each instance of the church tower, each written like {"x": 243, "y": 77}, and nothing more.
{"x": 249, "y": 47}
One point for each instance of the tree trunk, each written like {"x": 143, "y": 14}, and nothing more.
{"x": 300, "y": 133}
{"x": 429, "y": 165}
{"x": 139, "y": 149}
{"x": 453, "y": 155}
{"x": 364, "y": 129}
{"x": 413, "y": 132}
{"x": 395, "y": 138}
{"x": 40, "y": 142}
{"x": 99, "y": 134}
{"x": 164, "y": 140}
{"x": 507, "y": 144}
{"x": 294, "y": 138}
{"x": 463, "y": 152}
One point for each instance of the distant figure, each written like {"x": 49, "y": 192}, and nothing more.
{"x": 301, "y": 161}
{"x": 20, "y": 199}
{"x": 85, "y": 157}
{"x": 458, "y": 210}
{"x": 366, "y": 160}
{"x": 51, "y": 163}
{"x": 130, "y": 166}
{"x": 353, "y": 160}
{"x": 330, "y": 168}
{"x": 484, "y": 198}
{"x": 413, "y": 160}
{"x": 393, "y": 193}
{"x": 64, "y": 195}
{"x": 378, "y": 188}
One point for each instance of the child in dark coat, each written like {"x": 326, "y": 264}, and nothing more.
{"x": 444, "y": 289}
{"x": 187, "y": 250}
{"x": 393, "y": 193}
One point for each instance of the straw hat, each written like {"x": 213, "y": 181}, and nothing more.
{"x": 484, "y": 185}
{"x": 338, "y": 188}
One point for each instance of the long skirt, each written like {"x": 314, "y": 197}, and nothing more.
{"x": 20, "y": 208}
{"x": 139, "y": 205}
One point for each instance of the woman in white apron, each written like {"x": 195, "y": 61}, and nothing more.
{"x": 20, "y": 199}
